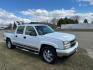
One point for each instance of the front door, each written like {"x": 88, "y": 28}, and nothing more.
{"x": 30, "y": 38}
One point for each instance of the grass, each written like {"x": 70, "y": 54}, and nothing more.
{"x": 19, "y": 60}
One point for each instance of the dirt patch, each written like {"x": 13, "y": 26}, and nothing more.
{"x": 19, "y": 60}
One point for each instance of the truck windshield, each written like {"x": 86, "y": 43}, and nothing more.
{"x": 42, "y": 30}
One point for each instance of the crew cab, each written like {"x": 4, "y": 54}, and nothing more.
{"x": 43, "y": 40}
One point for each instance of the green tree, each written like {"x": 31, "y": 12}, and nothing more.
{"x": 67, "y": 21}
{"x": 60, "y": 21}
{"x": 85, "y": 21}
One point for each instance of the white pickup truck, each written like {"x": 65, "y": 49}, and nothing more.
{"x": 42, "y": 39}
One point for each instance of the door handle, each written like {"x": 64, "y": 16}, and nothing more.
{"x": 24, "y": 37}
{"x": 16, "y": 36}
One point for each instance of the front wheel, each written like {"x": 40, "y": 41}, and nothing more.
{"x": 9, "y": 44}
{"x": 49, "y": 55}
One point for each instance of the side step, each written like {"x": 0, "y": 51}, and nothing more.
{"x": 28, "y": 50}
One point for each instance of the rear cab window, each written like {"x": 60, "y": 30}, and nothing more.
{"x": 20, "y": 29}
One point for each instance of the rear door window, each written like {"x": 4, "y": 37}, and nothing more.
{"x": 20, "y": 29}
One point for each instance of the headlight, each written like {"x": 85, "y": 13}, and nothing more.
{"x": 66, "y": 44}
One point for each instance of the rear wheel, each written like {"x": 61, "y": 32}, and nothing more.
{"x": 49, "y": 55}
{"x": 9, "y": 44}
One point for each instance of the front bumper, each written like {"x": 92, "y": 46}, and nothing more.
{"x": 68, "y": 51}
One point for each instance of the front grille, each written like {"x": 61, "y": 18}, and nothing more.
{"x": 73, "y": 42}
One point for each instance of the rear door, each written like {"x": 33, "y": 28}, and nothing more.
{"x": 19, "y": 35}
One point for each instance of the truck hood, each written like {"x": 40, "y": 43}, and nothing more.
{"x": 62, "y": 36}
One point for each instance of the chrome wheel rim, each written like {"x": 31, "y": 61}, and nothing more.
{"x": 48, "y": 56}
{"x": 8, "y": 44}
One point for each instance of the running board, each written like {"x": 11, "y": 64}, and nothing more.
{"x": 28, "y": 50}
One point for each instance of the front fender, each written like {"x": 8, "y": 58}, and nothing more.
{"x": 49, "y": 43}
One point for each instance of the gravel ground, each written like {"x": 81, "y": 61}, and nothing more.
{"x": 19, "y": 60}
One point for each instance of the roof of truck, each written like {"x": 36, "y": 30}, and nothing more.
{"x": 32, "y": 25}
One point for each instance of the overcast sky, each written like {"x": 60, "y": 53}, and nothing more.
{"x": 43, "y": 10}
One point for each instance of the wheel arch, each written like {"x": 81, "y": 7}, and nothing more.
{"x": 46, "y": 45}
{"x": 7, "y": 38}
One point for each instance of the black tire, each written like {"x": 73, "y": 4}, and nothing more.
{"x": 52, "y": 51}
{"x": 9, "y": 44}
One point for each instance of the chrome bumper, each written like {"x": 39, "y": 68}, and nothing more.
{"x": 68, "y": 51}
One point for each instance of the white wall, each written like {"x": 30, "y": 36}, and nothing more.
{"x": 77, "y": 26}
